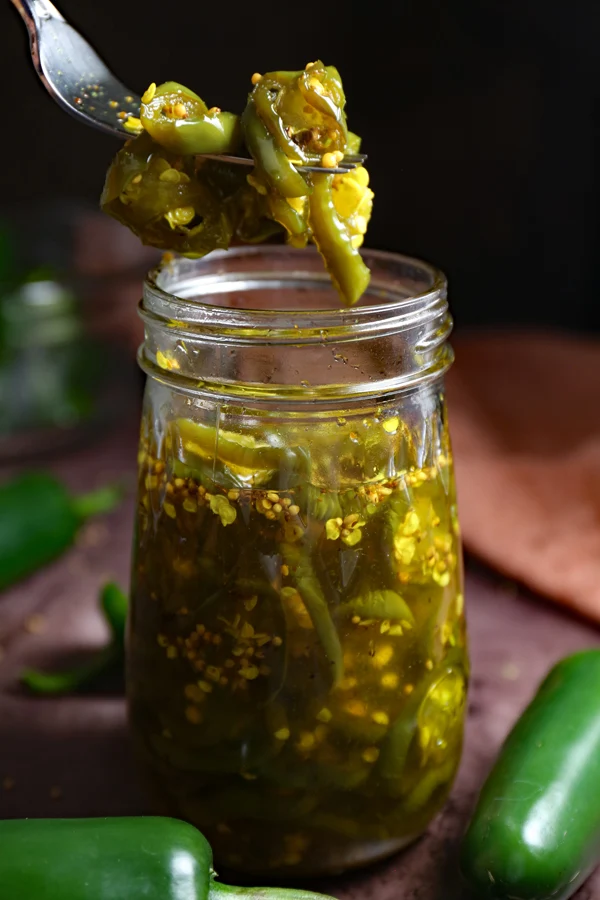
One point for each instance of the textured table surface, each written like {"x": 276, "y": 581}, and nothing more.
{"x": 70, "y": 757}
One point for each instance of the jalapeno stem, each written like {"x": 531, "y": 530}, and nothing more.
{"x": 114, "y": 605}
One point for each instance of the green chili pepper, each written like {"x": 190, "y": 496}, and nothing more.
{"x": 158, "y": 196}
{"x": 183, "y": 203}
{"x": 178, "y": 120}
{"x": 39, "y": 520}
{"x": 431, "y": 782}
{"x": 535, "y": 833}
{"x": 228, "y": 457}
{"x": 114, "y": 605}
{"x": 309, "y": 105}
{"x": 165, "y": 192}
{"x": 56, "y": 683}
{"x": 319, "y": 503}
{"x": 115, "y": 859}
{"x": 321, "y": 87}
{"x": 263, "y": 99}
{"x": 436, "y": 705}
{"x": 295, "y": 221}
{"x": 344, "y": 263}
{"x": 271, "y": 162}
{"x": 383, "y": 604}
{"x": 354, "y": 142}
{"x": 309, "y": 587}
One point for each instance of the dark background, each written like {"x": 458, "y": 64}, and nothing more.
{"x": 480, "y": 118}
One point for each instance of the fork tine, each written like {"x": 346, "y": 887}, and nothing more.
{"x": 222, "y": 157}
{"x": 346, "y": 165}
{"x": 324, "y": 171}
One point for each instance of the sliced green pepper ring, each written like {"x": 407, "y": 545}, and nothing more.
{"x": 265, "y": 107}
{"x": 441, "y": 711}
{"x": 247, "y": 459}
{"x": 271, "y": 161}
{"x": 178, "y": 120}
{"x": 441, "y": 696}
{"x": 345, "y": 265}
{"x": 293, "y": 219}
{"x": 163, "y": 187}
{"x": 326, "y": 99}
{"x": 383, "y": 604}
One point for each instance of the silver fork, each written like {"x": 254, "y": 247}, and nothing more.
{"x": 78, "y": 80}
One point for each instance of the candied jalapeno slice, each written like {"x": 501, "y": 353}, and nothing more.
{"x": 334, "y": 241}
{"x": 178, "y": 120}
{"x": 159, "y": 198}
{"x": 272, "y": 163}
{"x": 162, "y": 188}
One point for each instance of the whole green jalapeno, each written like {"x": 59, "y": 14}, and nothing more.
{"x": 535, "y": 833}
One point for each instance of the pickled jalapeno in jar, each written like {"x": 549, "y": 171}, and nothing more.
{"x": 297, "y": 663}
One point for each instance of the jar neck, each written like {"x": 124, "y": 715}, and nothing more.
{"x": 263, "y": 325}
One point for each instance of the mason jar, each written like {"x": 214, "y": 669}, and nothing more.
{"x": 297, "y": 663}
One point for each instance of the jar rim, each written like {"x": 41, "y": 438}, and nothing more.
{"x": 173, "y": 292}
{"x": 202, "y": 334}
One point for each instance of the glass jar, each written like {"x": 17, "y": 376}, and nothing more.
{"x": 297, "y": 664}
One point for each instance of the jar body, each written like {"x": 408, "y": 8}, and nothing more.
{"x": 297, "y": 663}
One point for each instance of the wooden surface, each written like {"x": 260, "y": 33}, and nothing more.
{"x": 70, "y": 757}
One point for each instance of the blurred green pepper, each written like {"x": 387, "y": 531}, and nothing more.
{"x": 39, "y": 520}
{"x": 114, "y": 605}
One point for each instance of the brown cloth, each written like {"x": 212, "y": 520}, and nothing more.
{"x": 525, "y": 424}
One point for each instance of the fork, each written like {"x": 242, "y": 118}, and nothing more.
{"x": 78, "y": 80}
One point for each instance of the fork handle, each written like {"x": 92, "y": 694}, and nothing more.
{"x": 33, "y": 13}
{"x": 34, "y": 10}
